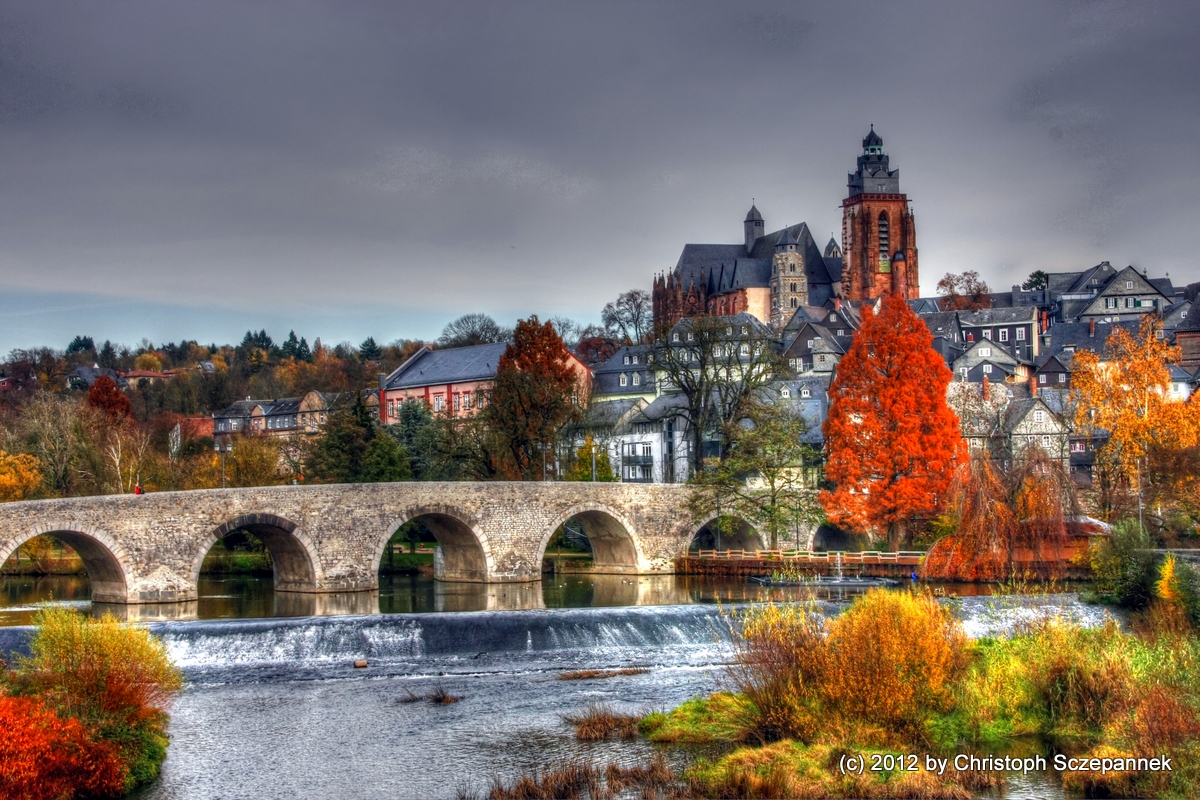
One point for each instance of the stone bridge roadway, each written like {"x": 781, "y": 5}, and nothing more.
{"x": 325, "y": 539}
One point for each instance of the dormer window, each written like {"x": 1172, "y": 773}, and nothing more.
{"x": 785, "y": 393}
{"x": 635, "y": 359}
{"x": 691, "y": 336}
{"x": 729, "y": 330}
{"x": 637, "y": 378}
{"x": 746, "y": 328}
{"x": 624, "y": 379}
{"x": 675, "y": 337}
{"x": 626, "y": 359}
{"x": 804, "y": 392}
{"x": 745, "y": 350}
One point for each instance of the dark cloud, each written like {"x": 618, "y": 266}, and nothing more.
{"x": 311, "y": 162}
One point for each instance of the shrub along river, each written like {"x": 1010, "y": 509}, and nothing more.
{"x": 274, "y": 706}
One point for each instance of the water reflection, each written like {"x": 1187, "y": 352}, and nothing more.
{"x": 246, "y": 597}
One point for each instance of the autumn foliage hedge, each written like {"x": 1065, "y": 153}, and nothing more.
{"x": 85, "y": 714}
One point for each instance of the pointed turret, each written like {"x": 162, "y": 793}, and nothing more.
{"x": 833, "y": 249}
{"x": 754, "y": 227}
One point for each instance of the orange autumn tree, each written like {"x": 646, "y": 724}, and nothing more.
{"x": 47, "y": 757}
{"x": 536, "y": 392}
{"x": 893, "y": 443}
{"x": 1125, "y": 393}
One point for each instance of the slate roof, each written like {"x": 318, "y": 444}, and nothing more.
{"x": 89, "y": 375}
{"x": 1017, "y": 410}
{"x": 606, "y": 378}
{"x": 726, "y": 267}
{"x": 1078, "y": 334}
{"x": 452, "y": 365}
{"x": 998, "y": 316}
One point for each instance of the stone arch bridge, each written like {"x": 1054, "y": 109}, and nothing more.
{"x": 331, "y": 538}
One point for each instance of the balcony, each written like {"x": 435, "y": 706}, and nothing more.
{"x": 630, "y": 460}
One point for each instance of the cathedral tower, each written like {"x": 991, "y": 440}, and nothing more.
{"x": 879, "y": 238}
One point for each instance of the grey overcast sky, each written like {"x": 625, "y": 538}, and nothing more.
{"x": 193, "y": 169}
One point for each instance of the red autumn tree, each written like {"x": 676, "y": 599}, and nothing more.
{"x": 106, "y": 397}
{"x": 46, "y": 757}
{"x": 535, "y": 394}
{"x": 893, "y": 443}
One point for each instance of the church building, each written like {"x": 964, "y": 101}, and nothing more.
{"x": 772, "y": 275}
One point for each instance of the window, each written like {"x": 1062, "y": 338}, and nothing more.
{"x": 1078, "y": 447}
{"x": 647, "y": 449}
{"x": 804, "y": 392}
{"x": 637, "y": 379}
{"x": 964, "y": 371}
{"x": 795, "y": 303}
{"x": 746, "y": 329}
{"x": 466, "y": 399}
{"x": 675, "y": 337}
{"x": 635, "y": 359}
{"x": 1110, "y": 302}
{"x": 987, "y": 369}
{"x": 884, "y": 241}
{"x": 1045, "y": 441}
{"x": 626, "y": 359}
{"x": 785, "y": 392}
{"x": 984, "y": 352}
{"x": 1128, "y": 284}
{"x": 745, "y": 350}
{"x": 1129, "y": 302}
{"x": 987, "y": 334}
{"x": 729, "y": 330}
{"x": 691, "y": 336}
{"x": 833, "y": 317}
{"x": 439, "y": 402}
{"x": 624, "y": 379}
{"x": 793, "y": 287}
{"x": 1039, "y": 416}
{"x": 1020, "y": 334}
{"x": 821, "y": 359}
{"x": 1042, "y": 378}
{"x": 457, "y": 401}
{"x": 1003, "y": 335}
{"x": 792, "y": 362}
{"x": 1062, "y": 377}
{"x": 841, "y": 332}
{"x": 810, "y": 343}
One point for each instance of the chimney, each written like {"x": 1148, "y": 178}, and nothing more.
{"x": 986, "y": 389}
{"x": 1092, "y": 328}
{"x": 837, "y": 304}
{"x": 1033, "y": 386}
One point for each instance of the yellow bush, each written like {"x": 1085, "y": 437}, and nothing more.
{"x": 893, "y": 659}
{"x": 20, "y": 476}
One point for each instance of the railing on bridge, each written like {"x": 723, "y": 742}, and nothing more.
{"x": 808, "y": 556}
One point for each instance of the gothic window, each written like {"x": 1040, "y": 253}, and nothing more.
{"x": 884, "y": 245}
{"x": 792, "y": 268}
{"x": 793, "y": 287}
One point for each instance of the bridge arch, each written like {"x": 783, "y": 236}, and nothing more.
{"x": 744, "y": 537}
{"x": 103, "y": 558}
{"x": 466, "y": 554}
{"x": 293, "y": 554}
{"x": 616, "y": 547}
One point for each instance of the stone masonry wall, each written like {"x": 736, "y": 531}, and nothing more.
{"x": 148, "y": 548}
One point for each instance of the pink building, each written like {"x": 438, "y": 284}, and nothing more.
{"x": 455, "y": 381}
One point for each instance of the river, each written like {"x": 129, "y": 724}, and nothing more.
{"x": 274, "y": 707}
